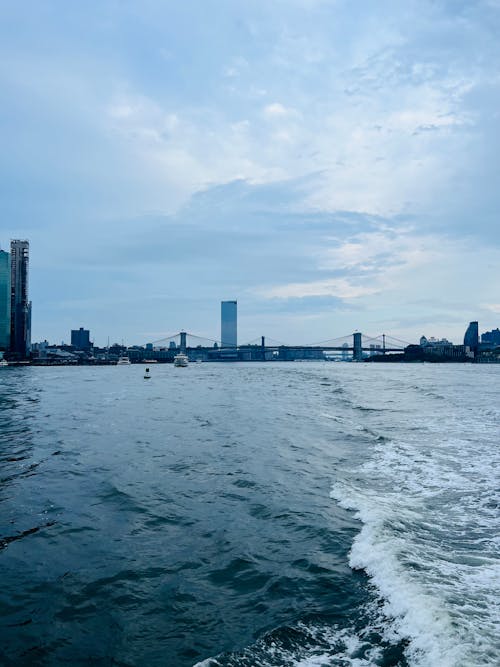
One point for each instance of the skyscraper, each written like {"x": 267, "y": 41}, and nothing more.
{"x": 229, "y": 323}
{"x": 80, "y": 338}
{"x": 4, "y": 300}
{"x": 471, "y": 338}
{"x": 20, "y": 307}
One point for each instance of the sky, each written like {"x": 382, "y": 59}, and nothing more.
{"x": 331, "y": 164}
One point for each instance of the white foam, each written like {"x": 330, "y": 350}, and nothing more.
{"x": 413, "y": 614}
{"x": 339, "y": 646}
{"x": 428, "y": 503}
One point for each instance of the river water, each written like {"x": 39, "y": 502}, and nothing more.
{"x": 281, "y": 514}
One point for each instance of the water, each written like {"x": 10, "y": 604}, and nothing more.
{"x": 234, "y": 515}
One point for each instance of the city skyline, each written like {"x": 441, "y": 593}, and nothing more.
{"x": 355, "y": 347}
{"x": 330, "y": 168}
{"x": 473, "y": 335}
{"x": 15, "y": 315}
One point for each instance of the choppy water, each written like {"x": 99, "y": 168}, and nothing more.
{"x": 250, "y": 514}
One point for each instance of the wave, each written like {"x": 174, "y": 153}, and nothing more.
{"x": 426, "y": 543}
{"x": 313, "y": 645}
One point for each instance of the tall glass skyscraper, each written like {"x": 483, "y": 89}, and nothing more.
{"x": 471, "y": 338}
{"x": 4, "y": 300}
{"x": 229, "y": 323}
{"x": 20, "y": 306}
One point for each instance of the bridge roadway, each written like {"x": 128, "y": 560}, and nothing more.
{"x": 282, "y": 352}
{"x": 323, "y": 348}
{"x": 378, "y": 343}
{"x": 256, "y": 350}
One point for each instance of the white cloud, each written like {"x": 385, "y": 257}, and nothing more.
{"x": 373, "y": 262}
{"x": 493, "y": 307}
{"x": 336, "y": 287}
{"x": 276, "y": 109}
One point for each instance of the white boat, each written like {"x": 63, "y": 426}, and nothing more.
{"x": 181, "y": 359}
{"x": 4, "y": 362}
{"x": 123, "y": 361}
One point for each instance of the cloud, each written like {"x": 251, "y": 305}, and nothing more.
{"x": 340, "y": 288}
{"x": 493, "y": 307}
{"x": 305, "y": 155}
{"x": 371, "y": 262}
{"x": 276, "y": 110}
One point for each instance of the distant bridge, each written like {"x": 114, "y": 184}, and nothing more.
{"x": 354, "y": 345}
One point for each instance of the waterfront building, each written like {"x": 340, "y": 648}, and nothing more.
{"x": 435, "y": 342}
{"x": 491, "y": 337}
{"x": 4, "y": 300}
{"x": 39, "y": 347}
{"x": 80, "y": 338}
{"x": 445, "y": 351}
{"x": 20, "y": 306}
{"x": 229, "y": 324}
{"x": 471, "y": 337}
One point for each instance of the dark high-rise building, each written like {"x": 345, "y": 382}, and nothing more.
{"x": 4, "y": 300}
{"x": 492, "y": 337}
{"x": 471, "y": 338}
{"x": 229, "y": 323}
{"x": 20, "y": 306}
{"x": 80, "y": 338}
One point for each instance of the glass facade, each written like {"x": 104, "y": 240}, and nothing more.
{"x": 471, "y": 338}
{"x": 80, "y": 338}
{"x": 4, "y": 300}
{"x": 20, "y": 323}
{"x": 229, "y": 324}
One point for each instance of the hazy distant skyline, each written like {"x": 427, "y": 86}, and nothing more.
{"x": 331, "y": 165}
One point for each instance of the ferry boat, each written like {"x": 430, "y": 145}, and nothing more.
{"x": 181, "y": 359}
{"x": 123, "y": 361}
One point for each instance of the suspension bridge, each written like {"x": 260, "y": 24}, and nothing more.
{"x": 355, "y": 346}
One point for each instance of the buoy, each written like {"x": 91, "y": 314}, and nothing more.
{"x": 147, "y": 376}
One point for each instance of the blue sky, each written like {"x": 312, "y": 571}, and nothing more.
{"x": 333, "y": 165}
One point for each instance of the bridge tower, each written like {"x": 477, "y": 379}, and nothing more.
{"x": 357, "y": 351}
{"x": 183, "y": 342}
{"x": 263, "y": 347}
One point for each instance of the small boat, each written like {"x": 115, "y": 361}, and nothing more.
{"x": 4, "y": 362}
{"x": 123, "y": 361}
{"x": 181, "y": 359}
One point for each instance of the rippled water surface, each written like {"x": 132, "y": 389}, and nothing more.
{"x": 301, "y": 514}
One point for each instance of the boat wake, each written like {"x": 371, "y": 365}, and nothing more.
{"x": 314, "y": 645}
